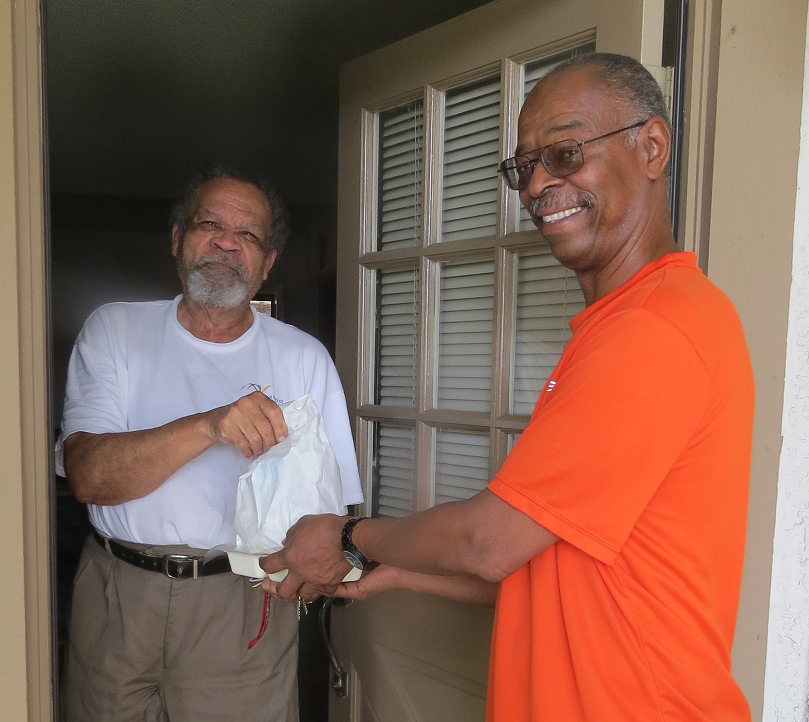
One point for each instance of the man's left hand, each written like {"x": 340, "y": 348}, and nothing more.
{"x": 313, "y": 555}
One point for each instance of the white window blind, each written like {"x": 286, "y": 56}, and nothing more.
{"x": 397, "y": 324}
{"x": 461, "y": 464}
{"x": 465, "y": 319}
{"x": 399, "y": 171}
{"x": 532, "y": 73}
{"x": 470, "y": 158}
{"x": 548, "y": 296}
{"x": 393, "y": 470}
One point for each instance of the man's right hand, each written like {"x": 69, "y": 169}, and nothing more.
{"x": 253, "y": 424}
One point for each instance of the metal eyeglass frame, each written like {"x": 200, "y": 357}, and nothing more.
{"x": 509, "y": 166}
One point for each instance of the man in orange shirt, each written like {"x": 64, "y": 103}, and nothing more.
{"x": 613, "y": 535}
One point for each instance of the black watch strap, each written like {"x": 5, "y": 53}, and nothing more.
{"x": 348, "y": 544}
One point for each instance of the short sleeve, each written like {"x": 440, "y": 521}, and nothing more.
{"x": 95, "y": 392}
{"x": 324, "y": 386}
{"x": 625, "y": 403}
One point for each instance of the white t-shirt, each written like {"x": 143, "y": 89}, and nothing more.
{"x": 135, "y": 367}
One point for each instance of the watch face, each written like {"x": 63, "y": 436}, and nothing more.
{"x": 352, "y": 560}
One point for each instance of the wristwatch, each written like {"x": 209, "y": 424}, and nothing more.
{"x": 353, "y": 556}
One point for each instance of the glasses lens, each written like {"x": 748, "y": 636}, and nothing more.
{"x": 512, "y": 173}
{"x": 562, "y": 158}
{"x": 523, "y": 171}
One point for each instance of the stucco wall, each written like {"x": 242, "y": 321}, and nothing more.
{"x": 786, "y": 689}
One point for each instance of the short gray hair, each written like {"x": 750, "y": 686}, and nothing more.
{"x": 279, "y": 220}
{"x": 627, "y": 80}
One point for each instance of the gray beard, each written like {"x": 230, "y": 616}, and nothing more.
{"x": 217, "y": 289}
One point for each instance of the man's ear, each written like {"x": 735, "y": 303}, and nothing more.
{"x": 175, "y": 239}
{"x": 269, "y": 262}
{"x": 655, "y": 142}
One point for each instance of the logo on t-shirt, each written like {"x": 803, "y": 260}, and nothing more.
{"x": 551, "y": 386}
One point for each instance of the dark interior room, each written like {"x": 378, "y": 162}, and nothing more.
{"x": 139, "y": 96}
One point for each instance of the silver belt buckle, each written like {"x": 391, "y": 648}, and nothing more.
{"x": 178, "y": 558}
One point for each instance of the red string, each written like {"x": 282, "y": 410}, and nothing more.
{"x": 265, "y": 614}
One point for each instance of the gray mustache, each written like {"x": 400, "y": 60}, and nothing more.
{"x": 222, "y": 258}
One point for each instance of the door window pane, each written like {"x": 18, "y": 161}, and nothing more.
{"x": 466, "y": 303}
{"x": 397, "y": 333}
{"x": 548, "y": 296}
{"x": 393, "y": 470}
{"x": 400, "y": 174}
{"x": 461, "y": 464}
{"x": 469, "y": 166}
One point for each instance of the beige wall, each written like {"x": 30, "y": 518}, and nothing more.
{"x": 758, "y": 106}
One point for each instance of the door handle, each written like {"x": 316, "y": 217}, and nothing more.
{"x": 339, "y": 679}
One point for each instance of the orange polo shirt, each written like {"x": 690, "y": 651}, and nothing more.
{"x": 638, "y": 457}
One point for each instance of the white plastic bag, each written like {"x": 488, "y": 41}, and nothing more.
{"x": 297, "y": 477}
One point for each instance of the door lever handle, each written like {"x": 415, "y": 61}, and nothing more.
{"x": 339, "y": 679}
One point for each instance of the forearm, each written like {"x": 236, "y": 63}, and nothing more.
{"x": 473, "y": 590}
{"x": 442, "y": 540}
{"x": 482, "y": 537}
{"x": 107, "y": 469}
{"x": 382, "y": 578}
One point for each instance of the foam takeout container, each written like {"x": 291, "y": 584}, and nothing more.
{"x": 247, "y": 565}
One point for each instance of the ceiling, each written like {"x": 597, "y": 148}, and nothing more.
{"x": 140, "y": 93}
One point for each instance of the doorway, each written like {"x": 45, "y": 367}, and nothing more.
{"x": 139, "y": 96}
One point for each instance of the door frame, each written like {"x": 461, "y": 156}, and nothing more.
{"x": 27, "y": 660}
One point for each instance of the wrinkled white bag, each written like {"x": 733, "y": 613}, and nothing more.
{"x": 297, "y": 477}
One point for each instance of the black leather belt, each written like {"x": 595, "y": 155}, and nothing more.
{"x": 174, "y": 566}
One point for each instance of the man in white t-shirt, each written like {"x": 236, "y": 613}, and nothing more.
{"x": 167, "y": 403}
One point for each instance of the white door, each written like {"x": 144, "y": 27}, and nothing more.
{"x": 451, "y": 311}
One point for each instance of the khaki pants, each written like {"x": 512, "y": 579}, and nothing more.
{"x": 146, "y": 648}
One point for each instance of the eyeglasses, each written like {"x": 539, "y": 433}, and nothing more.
{"x": 560, "y": 159}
